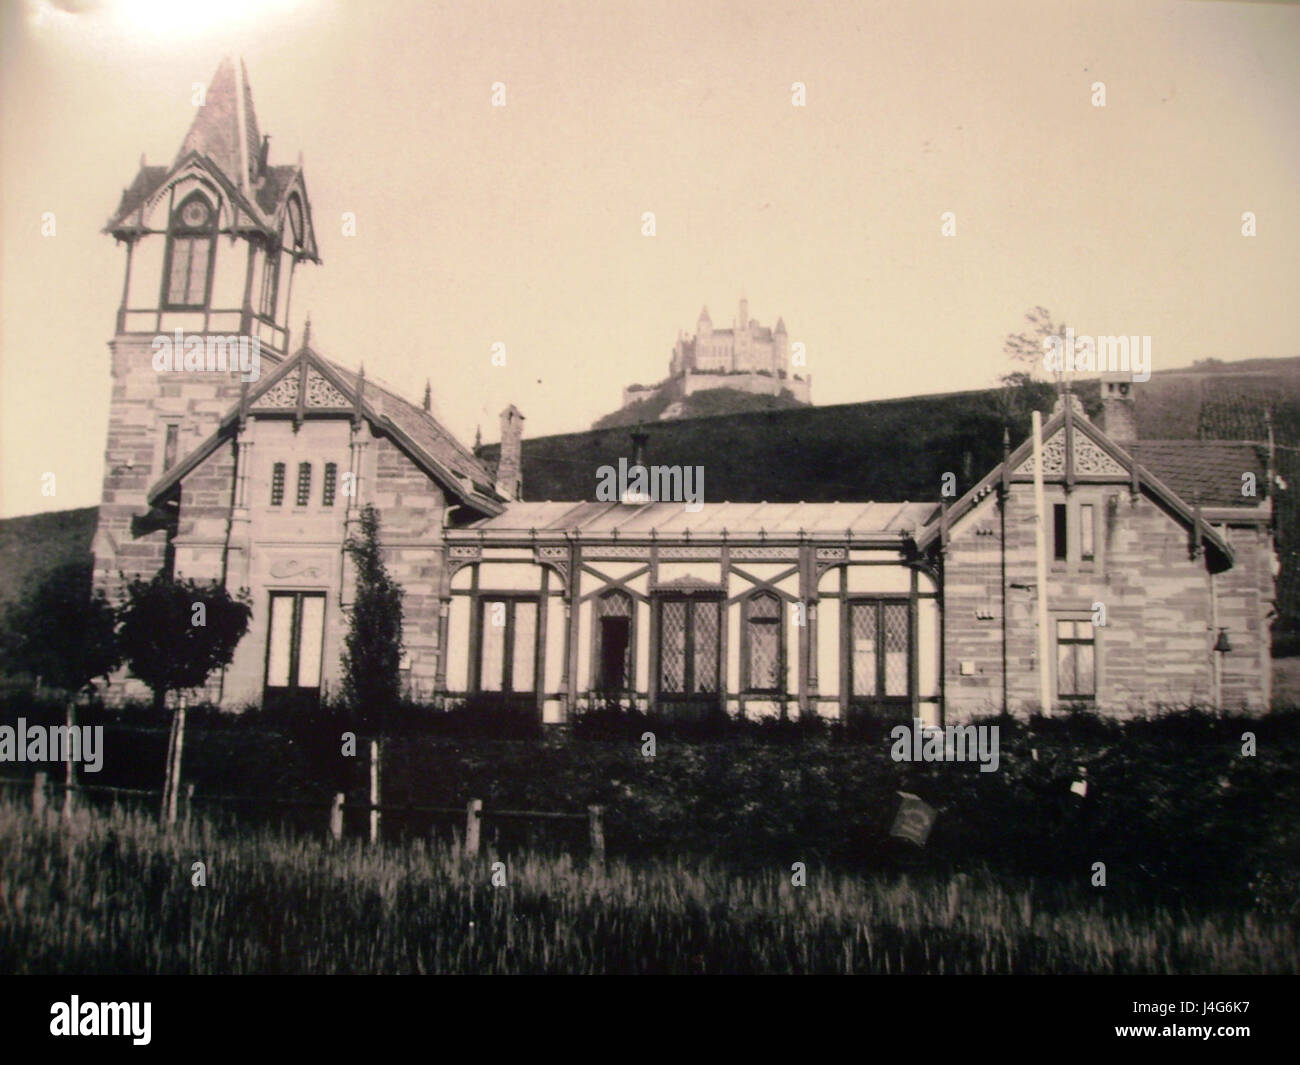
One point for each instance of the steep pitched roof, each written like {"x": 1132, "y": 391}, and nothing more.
{"x": 307, "y": 385}
{"x": 224, "y": 146}
{"x": 225, "y": 127}
{"x": 1059, "y": 428}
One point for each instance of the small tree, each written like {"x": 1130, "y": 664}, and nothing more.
{"x": 173, "y": 635}
{"x": 62, "y": 631}
{"x": 372, "y": 657}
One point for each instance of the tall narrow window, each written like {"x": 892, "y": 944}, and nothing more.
{"x": 763, "y": 643}
{"x": 507, "y": 645}
{"x": 170, "y": 444}
{"x": 1087, "y": 531}
{"x": 304, "y": 483}
{"x": 1060, "y": 548}
{"x": 277, "y": 484}
{"x": 270, "y": 282}
{"x": 295, "y": 639}
{"x": 613, "y": 657}
{"x": 1076, "y": 660}
{"x": 331, "y": 481}
{"x": 689, "y": 648}
{"x": 190, "y": 245}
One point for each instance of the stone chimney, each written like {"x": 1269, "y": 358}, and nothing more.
{"x": 510, "y": 482}
{"x": 1118, "y": 408}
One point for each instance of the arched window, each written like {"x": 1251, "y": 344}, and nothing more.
{"x": 612, "y": 660}
{"x": 763, "y": 643}
{"x": 191, "y": 242}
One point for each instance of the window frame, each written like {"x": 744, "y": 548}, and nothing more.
{"x": 507, "y": 689}
{"x": 302, "y": 490}
{"x": 690, "y": 692}
{"x": 178, "y": 229}
{"x": 297, "y": 598}
{"x": 279, "y": 474}
{"x": 329, "y": 484}
{"x": 1075, "y": 698}
{"x": 747, "y": 619}
{"x": 880, "y": 696}
{"x": 598, "y": 644}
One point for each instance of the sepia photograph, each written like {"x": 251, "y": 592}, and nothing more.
{"x": 619, "y": 488}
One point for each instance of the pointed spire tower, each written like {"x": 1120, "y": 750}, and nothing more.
{"x": 212, "y": 242}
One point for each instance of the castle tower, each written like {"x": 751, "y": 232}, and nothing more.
{"x": 780, "y": 347}
{"x": 212, "y": 241}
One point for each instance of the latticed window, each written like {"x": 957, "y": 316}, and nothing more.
{"x": 277, "y": 484}
{"x": 613, "y": 657}
{"x": 880, "y": 649}
{"x": 331, "y": 483}
{"x": 688, "y": 647}
{"x": 1076, "y": 660}
{"x": 189, "y": 253}
{"x": 763, "y": 633}
{"x": 304, "y": 483}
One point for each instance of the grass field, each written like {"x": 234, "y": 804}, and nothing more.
{"x": 110, "y": 892}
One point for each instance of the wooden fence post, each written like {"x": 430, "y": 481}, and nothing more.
{"x": 374, "y": 790}
{"x": 38, "y": 794}
{"x": 336, "y": 816}
{"x": 472, "y": 822}
{"x": 596, "y": 823}
{"x": 173, "y": 795}
{"x": 69, "y": 777}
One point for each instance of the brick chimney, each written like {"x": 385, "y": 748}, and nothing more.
{"x": 1118, "y": 408}
{"x": 510, "y": 482}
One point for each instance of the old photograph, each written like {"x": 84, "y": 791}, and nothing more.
{"x": 681, "y": 488}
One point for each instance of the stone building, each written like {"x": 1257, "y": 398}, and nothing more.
{"x": 1160, "y": 555}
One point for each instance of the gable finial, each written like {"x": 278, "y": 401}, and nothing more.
{"x": 360, "y": 394}
{"x": 478, "y": 437}
{"x": 306, "y": 331}
{"x": 428, "y": 396}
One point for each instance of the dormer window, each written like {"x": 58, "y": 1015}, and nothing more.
{"x": 190, "y": 246}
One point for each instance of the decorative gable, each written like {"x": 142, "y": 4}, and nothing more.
{"x": 1088, "y": 458}
{"x": 320, "y": 393}
{"x": 281, "y": 396}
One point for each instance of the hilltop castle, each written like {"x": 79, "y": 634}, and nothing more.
{"x": 747, "y": 357}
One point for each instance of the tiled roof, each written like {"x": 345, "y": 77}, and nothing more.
{"x": 215, "y": 129}
{"x": 144, "y": 185}
{"x": 422, "y": 428}
{"x": 1212, "y": 468}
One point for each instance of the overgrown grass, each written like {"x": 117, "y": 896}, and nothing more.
{"x": 1173, "y": 806}
{"x": 112, "y": 893}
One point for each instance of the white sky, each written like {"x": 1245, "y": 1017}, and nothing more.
{"x": 523, "y": 224}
